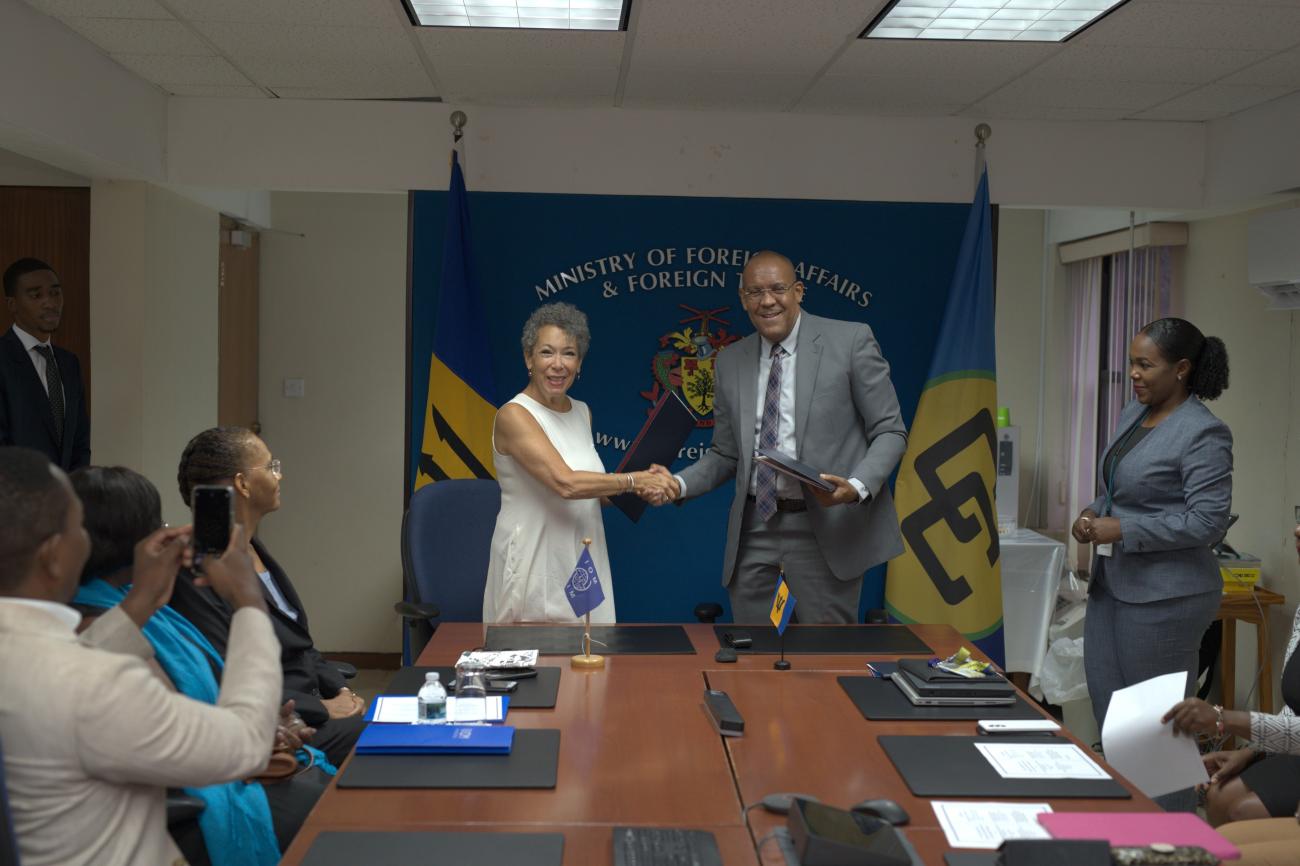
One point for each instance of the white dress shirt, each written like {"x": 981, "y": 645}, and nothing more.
{"x": 786, "y": 487}
{"x": 38, "y": 360}
{"x": 277, "y": 596}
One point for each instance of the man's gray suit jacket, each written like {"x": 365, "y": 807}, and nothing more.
{"x": 847, "y": 423}
{"x": 1172, "y": 496}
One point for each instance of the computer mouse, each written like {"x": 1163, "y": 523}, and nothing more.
{"x": 725, "y": 655}
{"x": 885, "y": 810}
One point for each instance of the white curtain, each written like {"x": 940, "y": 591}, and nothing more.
{"x": 1084, "y": 286}
{"x": 1131, "y": 308}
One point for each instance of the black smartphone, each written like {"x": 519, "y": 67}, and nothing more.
{"x": 214, "y": 517}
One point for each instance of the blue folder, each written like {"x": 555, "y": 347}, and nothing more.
{"x": 436, "y": 740}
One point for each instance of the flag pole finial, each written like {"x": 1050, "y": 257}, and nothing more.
{"x": 983, "y": 132}
{"x": 458, "y": 120}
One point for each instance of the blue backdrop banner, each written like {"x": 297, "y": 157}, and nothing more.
{"x": 658, "y": 280}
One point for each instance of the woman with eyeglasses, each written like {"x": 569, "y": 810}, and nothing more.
{"x": 238, "y": 458}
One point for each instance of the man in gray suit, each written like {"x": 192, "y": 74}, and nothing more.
{"x": 818, "y": 389}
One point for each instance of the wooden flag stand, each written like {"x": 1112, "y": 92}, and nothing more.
{"x": 585, "y": 660}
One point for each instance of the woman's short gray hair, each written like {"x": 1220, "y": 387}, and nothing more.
{"x": 566, "y": 317}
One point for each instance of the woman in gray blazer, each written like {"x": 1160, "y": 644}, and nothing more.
{"x": 1166, "y": 489}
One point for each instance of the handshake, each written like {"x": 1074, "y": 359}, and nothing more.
{"x": 656, "y": 485}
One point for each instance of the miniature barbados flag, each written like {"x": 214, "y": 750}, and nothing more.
{"x": 782, "y": 605}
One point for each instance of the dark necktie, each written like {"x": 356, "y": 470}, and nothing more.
{"x": 54, "y": 385}
{"x": 765, "y": 486}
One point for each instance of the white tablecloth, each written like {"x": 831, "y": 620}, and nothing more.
{"x": 1032, "y": 567}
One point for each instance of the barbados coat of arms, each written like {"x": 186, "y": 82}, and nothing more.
{"x": 685, "y": 361}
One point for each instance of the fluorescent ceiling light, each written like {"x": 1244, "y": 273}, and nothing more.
{"x": 523, "y": 14}
{"x": 988, "y": 20}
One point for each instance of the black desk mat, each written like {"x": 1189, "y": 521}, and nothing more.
{"x": 880, "y": 700}
{"x": 532, "y": 763}
{"x": 953, "y": 767}
{"x": 971, "y": 858}
{"x": 830, "y": 640}
{"x": 371, "y": 848}
{"x": 566, "y": 640}
{"x": 532, "y": 693}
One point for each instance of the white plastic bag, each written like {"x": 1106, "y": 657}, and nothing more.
{"x": 1061, "y": 677}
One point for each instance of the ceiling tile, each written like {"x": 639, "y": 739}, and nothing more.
{"x": 1038, "y": 91}
{"x": 164, "y": 70}
{"x": 1281, "y": 68}
{"x": 993, "y": 62}
{"x": 308, "y": 55}
{"x": 770, "y": 36}
{"x": 485, "y": 47}
{"x": 356, "y": 13}
{"x": 231, "y": 91}
{"x": 567, "y": 87}
{"x": 1012, "y": 111}
{"x": 101, "y": 8}
{"x": 1123, "y": 63}
{"x": 135, "y": 36}
{"x": 852, "y": 94}
{"x": 716, "y": 89}
{"x": 1197, "y": 25}
{"x": 1218, "y": 100}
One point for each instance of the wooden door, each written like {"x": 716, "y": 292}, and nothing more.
{"x": 237, "y": 281}
{"x": 53, "y": 224}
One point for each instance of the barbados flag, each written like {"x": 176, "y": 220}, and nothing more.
{"x": 782, "y": 605}
{"x": 461, "y": 400}
{"x": 950, "y": 570}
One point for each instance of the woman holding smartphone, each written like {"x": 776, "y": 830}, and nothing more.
{"x": 237, "y": 458}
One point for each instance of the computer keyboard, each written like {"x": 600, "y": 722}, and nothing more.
{"x": 662, "y": 846}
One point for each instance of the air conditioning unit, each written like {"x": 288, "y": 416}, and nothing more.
{"x": 1273, "y": 257}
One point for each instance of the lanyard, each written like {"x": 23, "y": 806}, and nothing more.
{"x": 1118, "y": 451}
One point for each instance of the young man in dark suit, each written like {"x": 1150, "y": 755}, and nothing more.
{"x": 42, "y": 400}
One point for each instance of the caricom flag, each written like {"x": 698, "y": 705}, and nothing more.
{"x": 459, "y": 408}
{"x": 950, "y": 570}
{"x": 583, "y": 586}
{"x": 782, "y": 605}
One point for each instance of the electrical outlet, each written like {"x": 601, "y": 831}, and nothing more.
{"x": 295, "y": 387}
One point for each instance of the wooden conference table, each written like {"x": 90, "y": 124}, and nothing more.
{"x": 637, "y": 748}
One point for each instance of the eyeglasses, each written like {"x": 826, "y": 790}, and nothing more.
{"x": 778, "y": 292}
{"x": 273, "y": 467}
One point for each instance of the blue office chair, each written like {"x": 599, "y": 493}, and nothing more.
{"x": 446, "y": 540}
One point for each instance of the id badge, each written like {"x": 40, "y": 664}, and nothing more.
{"x": 1104, "y": 549}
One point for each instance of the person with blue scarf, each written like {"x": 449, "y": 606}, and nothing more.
{"x": 243, "y": 823}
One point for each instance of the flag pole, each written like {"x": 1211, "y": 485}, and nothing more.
{"x": 585, "y": 660}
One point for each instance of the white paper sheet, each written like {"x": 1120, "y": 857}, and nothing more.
{"x": 1144, "y": 750}
{"x": 986, "y": 825}
{"x": 474, "y": 709}
{"x": 399, "y": 710}
{"x": 1040, "y": 761}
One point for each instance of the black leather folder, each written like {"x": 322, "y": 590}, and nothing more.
{"x": 953, "y": 767}
{"x": 832, "y": 640}
{"x": 670, "y": 424}
{"x": 371, "y": 848}
{"x": 566, "y": 640}
{"x": 533, "y": 762}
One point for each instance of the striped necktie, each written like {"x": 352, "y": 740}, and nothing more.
{"x": 765, "y": 486}
{"x": 54, "y": 387}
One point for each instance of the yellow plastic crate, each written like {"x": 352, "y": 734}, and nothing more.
{"x": 1239, "y": 575}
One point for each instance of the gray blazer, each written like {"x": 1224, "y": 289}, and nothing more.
{"x": 847, "y": 423}
{"x": 1172, "y": 496}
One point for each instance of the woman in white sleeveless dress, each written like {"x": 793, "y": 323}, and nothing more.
{"x": 552, "y": 481}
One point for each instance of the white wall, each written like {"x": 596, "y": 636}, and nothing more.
{"x": 333, "y": 312}
{"x": 153, "y": 329}
{"x": 18, "y": 170}
{"x": 1261, "y": 406}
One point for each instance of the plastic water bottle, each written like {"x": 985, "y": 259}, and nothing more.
{"x": 432, "y": 701}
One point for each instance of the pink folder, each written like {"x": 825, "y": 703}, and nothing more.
{"x": 1139, "y": 828}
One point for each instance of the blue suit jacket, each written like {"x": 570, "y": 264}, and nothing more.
{"x": 1172, "y": 495}
{"x": 25, "y": 415}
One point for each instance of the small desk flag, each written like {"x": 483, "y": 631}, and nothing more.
{"x": 782, "y": 605}
{"x": 583, "y": 587}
